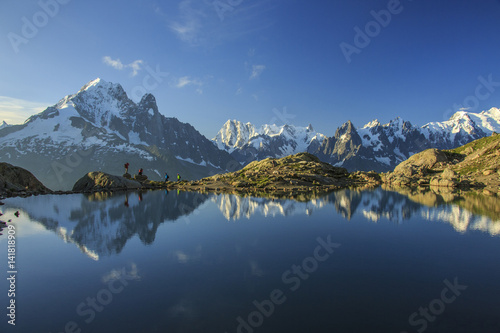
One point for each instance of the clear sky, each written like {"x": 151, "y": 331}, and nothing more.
{"x": 261, "y": 61}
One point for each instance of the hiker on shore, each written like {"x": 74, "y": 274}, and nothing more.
{"x": 178, "y": 177}
{"x": 126, "y": 167}
{"x": 140, "y": 172}
{"x": 166, "y": 177}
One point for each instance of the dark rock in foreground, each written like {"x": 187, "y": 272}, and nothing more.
{"x": 18, "y": 181}
{"x": 96, "y": 181}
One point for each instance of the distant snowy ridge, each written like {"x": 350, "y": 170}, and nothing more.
{"x": 266, "y": 141}
{"x": 374, "y": 146}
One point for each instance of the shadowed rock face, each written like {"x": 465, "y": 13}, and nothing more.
{"x": 16, "y": 179}
{"x": 103, "y": 181}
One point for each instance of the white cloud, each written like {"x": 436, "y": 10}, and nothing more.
{"x": 136, "y": 65}
{"x": 189, "y": 24}
{"x": 16, "y": 111}
{"x": 187, "y": 81}
{"x": 116, "y": 64}
{"x": 257, "y": 70}
{"x": 199, "y": 23}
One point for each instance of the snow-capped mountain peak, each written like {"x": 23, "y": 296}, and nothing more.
{"x": 248, "y": 142}
{"x": 100, "y": 128}
{"x": 373, "y": 123}
{"x": 93, "y": 83}
{"x": 101, "y": 85}
{"x": 4, "y": 124}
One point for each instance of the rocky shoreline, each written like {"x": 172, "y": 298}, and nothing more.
{"x": 475, "y": 166}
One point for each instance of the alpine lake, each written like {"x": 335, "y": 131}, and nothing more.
{"x": 351, "y": 261}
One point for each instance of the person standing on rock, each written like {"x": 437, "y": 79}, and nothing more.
{"x": 166, "y": 177}
{"x": 126, "y": 167}
{"x": 178, "y": 177}
{"x": 140, "y": 172}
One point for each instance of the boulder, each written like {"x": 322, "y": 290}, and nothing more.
{"x": 421, "y": 161}
{"x": 448, "y": 174}
{"x": 140, "y": 178}
{"x": 488, "y": 192}
{"x": 488, "y": 172}
{"x": 127, "y": 175}
{"x": 443, "y": 182}
{"x": 402, "y": 181}
{"x": 96, "y": 180}
{"x": 15, "y": 179}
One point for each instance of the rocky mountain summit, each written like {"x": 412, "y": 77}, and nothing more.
{"x": 247, "y": 143}
{"x": 101, "y": 128}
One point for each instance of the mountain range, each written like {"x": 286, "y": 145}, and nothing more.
{"x": 375, "y": 146}
{"x": 99, "y": 128}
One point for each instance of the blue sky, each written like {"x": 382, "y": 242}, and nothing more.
{"x": 259, "y": 61}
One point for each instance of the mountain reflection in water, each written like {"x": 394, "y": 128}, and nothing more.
{"x": 101, "y": 224}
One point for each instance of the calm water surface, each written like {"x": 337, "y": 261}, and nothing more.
{"x": 370, "y": 261}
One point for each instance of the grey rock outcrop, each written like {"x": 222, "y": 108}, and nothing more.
{"x": 415, "y": 169}
{"x": 421, "y": 162}
{"x": 447, "y": 179}
{"x": 95, "y": 181}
